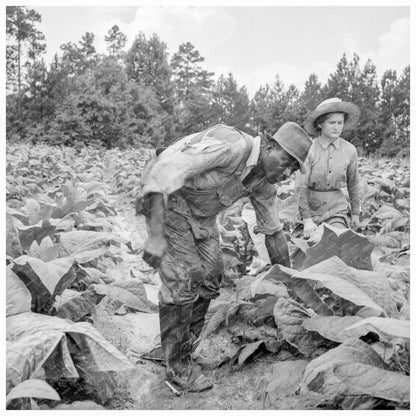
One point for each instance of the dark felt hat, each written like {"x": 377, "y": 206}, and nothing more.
{"x": 294, "y": 140}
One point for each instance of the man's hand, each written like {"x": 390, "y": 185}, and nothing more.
{"x": 154, "y": 249}
{"x": 355, "y": 222}
{"x": 308, "y": 227}
{"x": 155, "y": 246}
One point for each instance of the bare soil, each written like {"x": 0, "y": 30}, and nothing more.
{"x": 144, "y": 387}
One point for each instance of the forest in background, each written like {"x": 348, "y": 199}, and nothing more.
{"x": 143, "y": 97}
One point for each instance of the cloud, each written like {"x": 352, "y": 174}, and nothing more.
{"x": 288, "y": 74}
{"x": 393, "y": 50}
{"x": 394, "y": 47}
{"x": 205, "y": 27}
{"x": 350, "y": 45}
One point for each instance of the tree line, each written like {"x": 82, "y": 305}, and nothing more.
{"x": 143, "y": 97}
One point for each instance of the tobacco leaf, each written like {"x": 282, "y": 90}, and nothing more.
{"x": 300, "y": 287}
{"x": 333, "y": 327}
{"x": 18, "y": 297}
{"x": 289, "y": 316}
{"x": 354, "y": 369}
{"x": 13, "y": 246}
{"x": 386, "y": 328}
{"x": 32, "y": 388}
{"x": 28, "y": 353}
{"x": 44, "y": 280}
{"x": 361, "y": 287}
{"x": 352, "y": 248}
{"x": 46, "y": 332}
{"x": 35, "y": 232}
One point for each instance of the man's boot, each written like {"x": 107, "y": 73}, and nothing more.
{"x": 175, "y": 321}
{"x": 276, "y": 245}
{"x": 199, "y": 310}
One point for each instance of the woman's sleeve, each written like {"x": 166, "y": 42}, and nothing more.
{"x": 301, "y": 185}
{"x": 352, "y": 184}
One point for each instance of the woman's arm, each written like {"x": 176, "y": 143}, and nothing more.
{"x": 353, "y": 191}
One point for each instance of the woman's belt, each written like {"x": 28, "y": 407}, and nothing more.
{"x": 326, "y": 190}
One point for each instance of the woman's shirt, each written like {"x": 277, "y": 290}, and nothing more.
{"x": 329, "y": 167}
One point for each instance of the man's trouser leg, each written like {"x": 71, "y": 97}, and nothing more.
{"x": 209, "y": 251}
{"x": 182, "y": 274}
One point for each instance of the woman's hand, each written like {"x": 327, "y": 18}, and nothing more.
{"x": 355, "y": 222}
{"x": 308, "y": 227}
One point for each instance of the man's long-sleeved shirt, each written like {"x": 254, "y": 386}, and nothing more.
{"x": 329, "y": 167}
{"x": 208, "y": 169}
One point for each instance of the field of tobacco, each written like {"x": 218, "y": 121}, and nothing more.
{"x": 330, "y": 333}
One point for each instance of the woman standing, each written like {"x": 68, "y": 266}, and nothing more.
{"x": 330, "y": 166}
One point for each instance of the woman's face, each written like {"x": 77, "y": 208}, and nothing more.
{"x": 332, "y": 127}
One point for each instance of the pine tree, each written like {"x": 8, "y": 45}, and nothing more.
{"x": 23, "y": 38}
{"x": 231, "y": 104}
{"x": 193, "y": 89}
{"x": 367, "y": 97}
{"x": 310, "y": 97}
{"x": 116, "y": 41}
{"x": 147, "y": 64}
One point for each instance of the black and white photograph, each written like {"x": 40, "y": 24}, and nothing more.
{"x": 207, "y": 205}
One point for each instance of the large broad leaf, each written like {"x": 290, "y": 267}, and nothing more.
{"x": 44, "y": 280}
{"x": 332, "y": 327}
{"x": 32, "y": 388}
{"x": 365, "y": 191}
{"x": 18, "y": 296}
{"x": 20, "y": 216}
{"x": 289, "y": 316}
{"x": 100, "y": 205}
{"x": 265, "y": 287}
{"x": 13, "y": 246}
{"x": 75, "y": 198}
{"x": 301, "y": 288}
{"x": 83, "y": 257}
{"x": 90, "y": 275}
{"x": 391, "y": 240}
{"x": 385, "y": 212}
{"x": 386, "y": 328}
{"x": 217, "y": 315}
{"x": 33, "y": 211}
{"x": 46, "y": 250}
{"x": 77, "y": 242}
{"x": 36, "y": 232}
{"x": 245, "y": 353}
{"x": 64, "y": 224}
{"x": 94, "y": 188}
{"x": 75, "y": 305}
{"x": 352, "y": 248}
{"x": 101, "y": 355}
{"x": 285, "y": 378}
{"x": 362, "y": 287}
{"x": 27, "y": 354}
{"x": 355, "y": 369}
{"x": 124, "y": 296}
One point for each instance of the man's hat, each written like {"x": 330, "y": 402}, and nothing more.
{"x": 332, "y": 105}
{"x": 294, "y": 140}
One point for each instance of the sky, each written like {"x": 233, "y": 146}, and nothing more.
{"x": 255, "y": 43}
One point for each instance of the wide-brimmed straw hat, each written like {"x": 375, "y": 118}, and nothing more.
{"x": 333, "y": 105}
{"x": 293, "y": 140}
